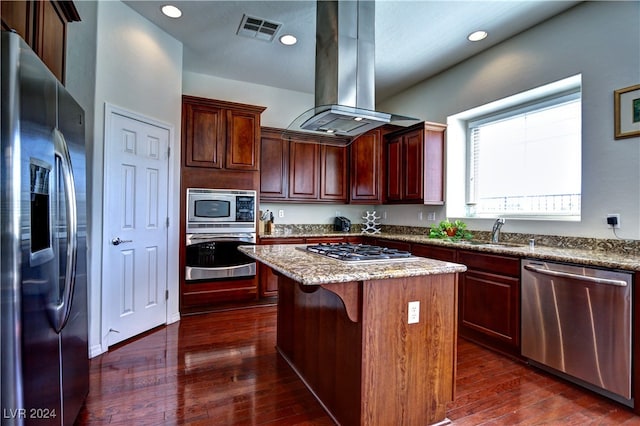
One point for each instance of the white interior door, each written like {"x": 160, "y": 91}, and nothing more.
{"x": 135, "y": 226}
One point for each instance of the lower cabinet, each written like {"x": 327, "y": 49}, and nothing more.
{"x": 200, "y": 297}
{"x": 435, "y": 252}
{"x": 268, "y": 281}
{"x": 398, "y": 245}
{"x": 488, "y": 293}
{"x": 488, "y": 296}
{"x": 489, "y": 301}
{"x": 268, "y": 284}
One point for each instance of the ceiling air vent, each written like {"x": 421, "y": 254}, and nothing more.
{"x": 258, "y": 28}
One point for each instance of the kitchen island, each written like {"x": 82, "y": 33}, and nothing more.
{"x": 349, "y": 333}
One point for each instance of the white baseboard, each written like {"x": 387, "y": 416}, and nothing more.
{"x": 96, "y": 350}
{"x": 173, "y": 318}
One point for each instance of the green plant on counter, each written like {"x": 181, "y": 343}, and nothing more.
{"x": 456, "y": 230}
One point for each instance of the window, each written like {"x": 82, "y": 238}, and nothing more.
{"x": 526, "y": 160}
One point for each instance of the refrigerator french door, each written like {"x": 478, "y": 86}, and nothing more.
{"x": 43, "y": 302}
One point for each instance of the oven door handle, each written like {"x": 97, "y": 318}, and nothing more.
{"x": 219, "y": 238}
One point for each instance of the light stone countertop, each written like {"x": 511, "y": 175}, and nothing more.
{"x": 587, "y": 257}
{"x": 314, "y": 269}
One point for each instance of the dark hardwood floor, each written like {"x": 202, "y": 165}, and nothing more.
{"x": 222, "y": 369}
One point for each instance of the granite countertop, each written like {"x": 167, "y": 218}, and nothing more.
{"x": 605, "y": 259}
{"x": 589, "y": 257}
{"x": 313, "y": 269}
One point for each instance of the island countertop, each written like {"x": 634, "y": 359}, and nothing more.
{"x": 313, "y": 269}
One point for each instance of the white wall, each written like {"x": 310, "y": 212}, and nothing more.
{"x": 138, "y": 68}
{"x": 600, "y": 40}
{"x": 283, "y": 106}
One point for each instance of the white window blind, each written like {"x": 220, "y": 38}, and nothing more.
{"x": 527, "y": 161}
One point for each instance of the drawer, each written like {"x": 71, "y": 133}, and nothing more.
{"x": 433, "y": 252}
{"x": 496, "y": 264}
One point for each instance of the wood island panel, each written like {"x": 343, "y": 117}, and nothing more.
{"x": 377, "y": 369}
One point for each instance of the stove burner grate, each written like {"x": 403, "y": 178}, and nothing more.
{"x": 357, "y": 252}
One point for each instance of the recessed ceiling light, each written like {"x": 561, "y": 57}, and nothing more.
{"x": 171, "y": 11}
{"x": 288, "y": 40}
{"x": 477, "y": 36}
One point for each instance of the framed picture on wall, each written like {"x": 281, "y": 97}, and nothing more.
{"x": 626, "y": 104}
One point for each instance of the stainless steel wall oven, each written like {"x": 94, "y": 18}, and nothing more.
{"x": 216, "y": 257}
{"x": 218, "y": 221}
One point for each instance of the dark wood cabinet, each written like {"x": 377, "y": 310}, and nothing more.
{"x": 334, "y": 173}
{"x": 43, "y": 25}
{"x": 367, "y": 168}
{"x": 489, "y": 296}
{"x": 394, "y": 169}
{"x": 304, "y": 171}
{"x": 489, "y": 308}
{"x": 296, "y": 171}
{"x": 414, "y": 165}
{"x": 434, "y": 252}
{"x": 220, "y": 149}
{"x": 268, "y": 280}
{"x": 220, "y": 135}
{"x": 317, "y": 172}
{"x": 274, "y": 165}
{"x": 398, "y": 245}
{"x": 243, "y": 139}
{"x": 318, "y": 240}
{"x": 204, "y": 135}
{"x": 413, "y": 162}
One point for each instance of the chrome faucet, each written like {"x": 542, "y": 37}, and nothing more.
{"x": 495, "y": 232}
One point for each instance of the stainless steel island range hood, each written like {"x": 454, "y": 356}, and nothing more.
{"x": 345, "y": 75}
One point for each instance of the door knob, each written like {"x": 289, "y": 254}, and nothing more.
{"x": 117, "y": 241}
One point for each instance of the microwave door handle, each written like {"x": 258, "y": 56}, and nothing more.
{"x": 61, "y": 311}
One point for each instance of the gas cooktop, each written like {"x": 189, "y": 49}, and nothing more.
{"x": 358, "y": 252}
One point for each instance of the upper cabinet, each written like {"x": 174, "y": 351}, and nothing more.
{"x": 43, "y": 25}
{"x": 301, "y": 170}
{"x": 317, "y": 172}
{"x": 334, "y": 173}
{"x": 304, "y": 171}
{"x": 220, "y": 135}
{"x": 415, "y": 165}
{"x": 274, "y": 165}
{"x": 385, "y": 165}
{"x": 368, "y": 167}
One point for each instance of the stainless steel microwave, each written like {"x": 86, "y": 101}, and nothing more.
{"x": 220, "y": 210}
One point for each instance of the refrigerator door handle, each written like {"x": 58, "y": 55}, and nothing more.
{"x": 62, "y": 309}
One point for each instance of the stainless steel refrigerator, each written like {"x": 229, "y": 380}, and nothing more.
{"x": 43, "y": 302}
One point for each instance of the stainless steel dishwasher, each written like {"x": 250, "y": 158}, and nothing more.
{"x": 576, "y": 323}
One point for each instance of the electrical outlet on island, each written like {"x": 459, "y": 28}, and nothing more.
{"x": 414, "y": 312}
